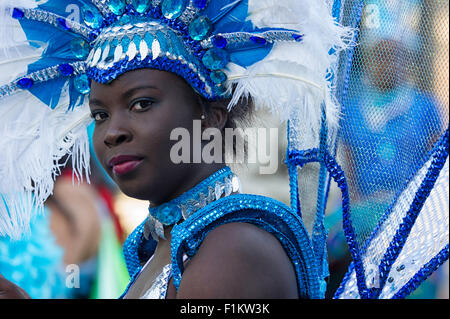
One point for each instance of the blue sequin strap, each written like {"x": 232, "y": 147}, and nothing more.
{"x": 266, "y": 213}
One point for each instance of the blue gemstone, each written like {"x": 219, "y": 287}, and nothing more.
{"x": 63, "y": 23}
{"x": 25, "y": 83}
{"x": 167, "y": 214}
{"x": 200, "y": 4}
{"x": 141, "y": 6}
{"x": 81, "y": 84}
{"x": 219, "y": 42}
{"x": 258, "y": 40}
{"x": 172, "y": 9}
{"x": 200, "y": 28}
{"x": 80, "y": 48}
{"x": 117, "y": 6}
{"x": 66, "y": 69}
{"x": 215, "y": 59}
{"x": 18, "y": 14}
{"x": 297, "y": 37}
{"x": 125, "y": 19}
{"x": 218, "y": 77}
{"x": 92, "y": 18}
{"x": 220, "y": 90}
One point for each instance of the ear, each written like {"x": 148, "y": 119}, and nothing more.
{"x": 216, "y": 114}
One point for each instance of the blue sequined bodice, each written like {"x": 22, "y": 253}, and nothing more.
{"x": 266, "y": 213}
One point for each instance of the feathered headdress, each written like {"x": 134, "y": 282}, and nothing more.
{"x": 279, "y": 52}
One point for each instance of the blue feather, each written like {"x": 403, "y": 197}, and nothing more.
{"x": 65, "y": 8}
{"x": 57, "y": 51}
{"x": 228, "y": 15}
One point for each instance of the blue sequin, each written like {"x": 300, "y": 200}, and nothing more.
{"x": 215, "y": 59}
{"x": 92, "y": 18}
{"x": 172, "y": 9}
{"x": 81, "y": 83}
{"x": 80, "y": 48}
{"x": 200, "y": 28}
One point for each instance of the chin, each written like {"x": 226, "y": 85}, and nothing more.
{"x": 141, "y": 193}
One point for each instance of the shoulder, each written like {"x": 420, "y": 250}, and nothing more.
{"x": 239, "y": 260}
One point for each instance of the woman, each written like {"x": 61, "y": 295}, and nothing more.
{"x": 157, "y": 66}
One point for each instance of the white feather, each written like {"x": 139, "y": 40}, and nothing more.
{"x": 11, "y": 33}
{"x": 25, "y": 187}
{"x": 292, "y": 80}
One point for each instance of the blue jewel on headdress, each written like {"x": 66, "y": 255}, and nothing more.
{"x": 63, "y": 23}
{"x": 80, "y": 48}
{"x": 200, "y": 28}
{"x": 18, "y": 14}
{"x": 91, "y": 17}
{"x": 25, "y": 83}
{"x": 297, "y": 37}
{"x": 125, "y": 19}
{"x": 215, "y": 59}
{"x": 66, "y": 69}
{"x": 219, "y": 42}
{"x": 117, "y": 6}
{"x": 258, "y": 40}
{"x": 172, "y": 9}
{"x": 140, "y": 6}
{"x": 81, "y": 83}
{"x": 218, "y": 77}
{"x": 199, "y": 4}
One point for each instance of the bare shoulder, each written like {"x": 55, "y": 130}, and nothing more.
{"x": 239, "y": 260}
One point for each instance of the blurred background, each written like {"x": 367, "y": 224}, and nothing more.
{"x": 397, "y": 83}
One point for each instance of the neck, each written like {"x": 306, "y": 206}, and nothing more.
{"x": 198, "y": 173}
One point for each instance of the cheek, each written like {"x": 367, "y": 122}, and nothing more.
{"x": 98, "y": 144}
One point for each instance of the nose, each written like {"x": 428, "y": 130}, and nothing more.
{"x": 117, "y": 134}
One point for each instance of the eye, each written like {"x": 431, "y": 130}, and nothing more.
{"x": 141, "y": 105}
{"x": 99, "y": 116}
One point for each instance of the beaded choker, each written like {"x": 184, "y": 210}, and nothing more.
{"x": 220, "y": 184}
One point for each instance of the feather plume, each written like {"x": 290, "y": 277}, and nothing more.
{"x": 25, "y": 188}
{"x": 293, "y": 80}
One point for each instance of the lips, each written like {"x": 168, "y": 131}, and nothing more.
{"x": 124, "y": 164}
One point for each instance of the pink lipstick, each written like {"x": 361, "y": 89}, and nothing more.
{"x": 124, "y": 164}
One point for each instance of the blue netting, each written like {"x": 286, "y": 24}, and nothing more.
{"x": 393, "y": 88}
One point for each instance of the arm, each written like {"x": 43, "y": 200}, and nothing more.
{"x": 239, "y": 261}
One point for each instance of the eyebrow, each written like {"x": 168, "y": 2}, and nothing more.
{"x": 130, "y": 92}
{"x": 126, "y": 95}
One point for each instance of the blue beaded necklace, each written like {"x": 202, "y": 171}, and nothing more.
{"x": 220, "y": 184}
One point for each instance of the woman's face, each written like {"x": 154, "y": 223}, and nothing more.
{"x": 134, "y": 116}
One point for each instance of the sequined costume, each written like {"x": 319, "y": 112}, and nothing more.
{"x": 187, "y": 236}
{"x": 294, "y": 58}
